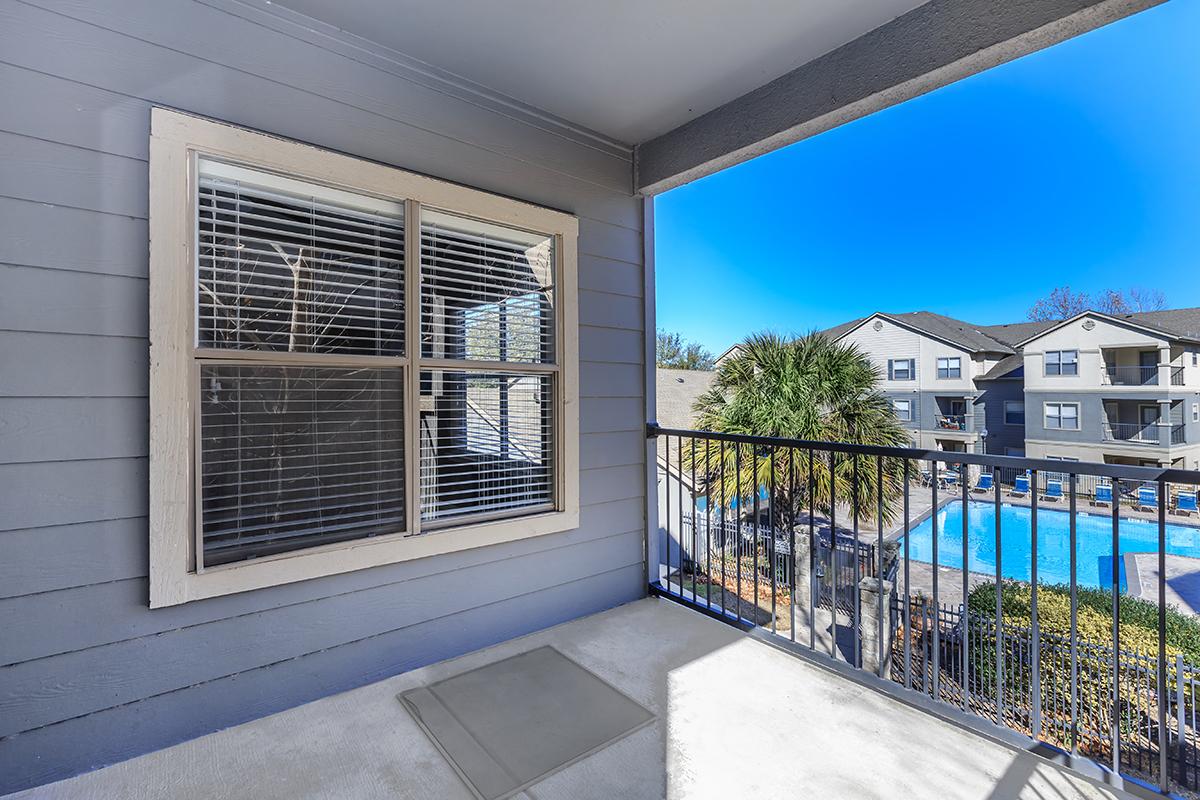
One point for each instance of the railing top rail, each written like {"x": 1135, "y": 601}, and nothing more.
{"x": 1118, "y": 471}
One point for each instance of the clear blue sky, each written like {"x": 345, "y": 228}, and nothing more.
{"x": 1075, "y": 165}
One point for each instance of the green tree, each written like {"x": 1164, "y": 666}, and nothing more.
{"x": 672, "y": 352}
{"x": 812, "y": 389}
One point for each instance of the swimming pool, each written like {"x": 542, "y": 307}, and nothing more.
{"x": 1094, "y": 542}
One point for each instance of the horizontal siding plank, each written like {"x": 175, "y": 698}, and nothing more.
{"x": 47, "y": 172}
{"x": 611, "y": 414}
{"x": 613, "y": 449}
{"x": 45, "y": 560}
{"x": 611, "y": 310}
{"x": 611, "y": 483}
{"x": 66, "y": 492}
{"x": 50, "y": 690}
{"x": 265, "y": 53}
{"x": 612, "y": 345}
{"x": 610, "y": 380}
{"x": 87, "y": 742}
{"x": 55, "y": 301}
{"x": 610, "y": 275}
{"x": 37, "y": 39}
{"x": 85, "y": 241}
{"x": 65, "y": 365}
{"x": 37, "y": 626}
{"x": 72, "y": 428}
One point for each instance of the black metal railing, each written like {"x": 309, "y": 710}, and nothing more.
{"x": 952, "y": 422}
{"x": 1143, "y": 433}
{"x": 937, "y": 586}
{"x": 1176, "y": 376}
{"x": 1178, "y": 434}
{"x": 1135, "y": 375}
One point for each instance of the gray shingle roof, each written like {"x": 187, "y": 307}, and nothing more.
{"x": 970, "y": 337}
{"x": 674, "y": 392}
{"x": 1003, "y": 367}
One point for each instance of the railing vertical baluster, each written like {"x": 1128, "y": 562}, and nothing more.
{"x": 737, "y": 469}
{"x": 1115, "y": 722}
{"x": 937, "y": 608}
{"x": 966, "y": 616}
{"x": 908, "y": 630}
{"x": 724, "y": 531}
{"x": 771, "y": 533}
{"x": 694, "y": 520}
{"x": 1181, "y": 739}
{"x": 679, "y": 471}
{"x": 1000, "y": 661}
{"x": 792, "y": 537}
{"x": 1033, "y": 609}
{"x": 833, "y": 553}
{"x": 1073, "y": 584}
{"x": 667, "y": 492}
{"x": 708, "y": 527}
{"x": 856, "y": 635}
{"x": 756, "y": 533}
{"x": 813, "y": 590}
{"x": 879, "y": 557}
{"x": 1162, "y": 636}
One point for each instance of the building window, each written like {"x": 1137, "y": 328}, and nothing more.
{"x": 1014, "y": 412}
{"x": 1062, "y": 416}
{"x": 949, "y": 367}
{"x": 1195, "y": 359}
{"x": 352, "y": 369}
{"x": 901, "y": 369}
{"x": 1062, "y": 362}
{"x": 1195, "y": 412}
{"x": 903, "y": 409}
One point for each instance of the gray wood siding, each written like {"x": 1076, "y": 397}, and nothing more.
{"x": 88, "y": 674}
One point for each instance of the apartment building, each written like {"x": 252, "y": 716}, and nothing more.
{"x": 1097, "y": 387}
{"x": 954, "y": 385}
{"x": 1121, "y": 390}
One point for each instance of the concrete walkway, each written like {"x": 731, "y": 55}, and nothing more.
{"x": 735, "y": 718}
{"x": 1183, "y": 579}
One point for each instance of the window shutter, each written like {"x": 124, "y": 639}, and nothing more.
{"x": 891, "y": 370}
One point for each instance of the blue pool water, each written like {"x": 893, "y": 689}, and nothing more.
{"x": 1094, "y": 541}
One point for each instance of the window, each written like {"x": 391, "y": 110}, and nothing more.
{"x": 1195, "y": 412}
{"x": 949, "y": 367}
{"x": 1014, "y": 412}
{"x": 1062, "y": 362}
{"x": 1195, "y": 359}
{"x": 1062, "y": 416}
{"x": 903, "y": 409}
{"x": 341, "y": 375}
{"x": 901, "y": 369}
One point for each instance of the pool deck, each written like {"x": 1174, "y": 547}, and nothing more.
{"x": 1183, "y": 579}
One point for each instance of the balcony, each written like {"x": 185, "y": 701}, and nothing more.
{"x": 926, "y": 604}
{"x": 952, "y": 422}
{"x": 799, "y": 729}
{"x": 1130, "y": 375}
{"x": 1131, "y": 432}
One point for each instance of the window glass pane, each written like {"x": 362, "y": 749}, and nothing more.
{"x": 487, "y": 292}
{"x": 293, "y": 457}
{"x": 300, "y": 273}
{"x": 486, "y": 443}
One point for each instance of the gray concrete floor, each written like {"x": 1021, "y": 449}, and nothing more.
{"x": 736, "y": 718}
{"x": 1183, "y": 579}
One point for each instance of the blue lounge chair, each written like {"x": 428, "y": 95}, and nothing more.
{"x": 1020, "y": 486}
{"x": 1185, "y": 503}
{"x": 1147, "y": 498}
{"x": 1053, "y": 490}
{"x": 1104, "y": 495}
{"x": 984, "y": 483}
{"x": 949, "y": 479}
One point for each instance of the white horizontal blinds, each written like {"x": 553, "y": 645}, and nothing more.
{"x": 487, "y": 436}
{"x": 296, "y": 456}
{"x": 289, "y": 266}
{"x": 487, "y": 444}
{"x": 487, "y": 290}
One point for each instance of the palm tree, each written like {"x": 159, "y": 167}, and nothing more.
{"x": 812, "y": 389}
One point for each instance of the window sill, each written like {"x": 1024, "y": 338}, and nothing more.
{"x": 335, "y": 559}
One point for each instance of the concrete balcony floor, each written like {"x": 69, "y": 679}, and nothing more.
{"x": 736, "y": 718}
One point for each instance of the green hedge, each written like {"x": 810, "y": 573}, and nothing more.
{"x": 1139, "y": 618}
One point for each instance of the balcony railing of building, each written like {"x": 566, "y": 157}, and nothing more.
{"x": 1177, "y": 376}
{"x": 1134, "y": 432}
{"x": 1178, "y": 434}
{"x": 952, "y": 422}
{"x": 1046, "y": 647}
{"x": 1131, "y": 375}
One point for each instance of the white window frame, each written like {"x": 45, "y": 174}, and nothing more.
{"x": 177, "y": 141}
{"x": 1020, "y": 403}
{"x": 910, "y": 369}
{"x": 1058, "y": 363}
{"x": 948, "y": 368}
{"x": 907, "y": 417}
{"x": 1059, "y": 416}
